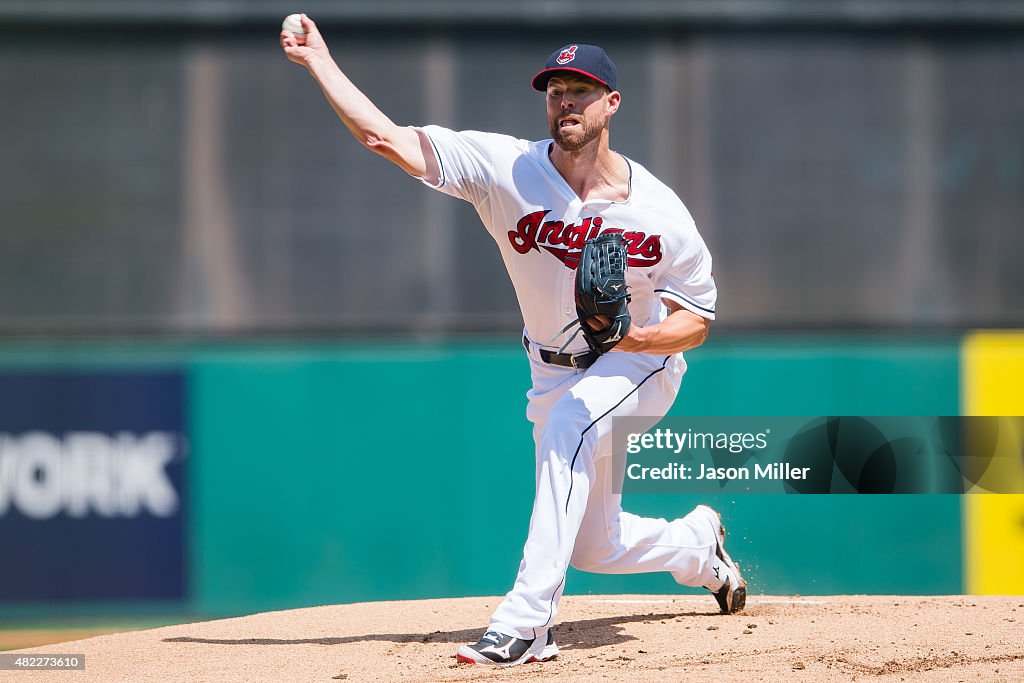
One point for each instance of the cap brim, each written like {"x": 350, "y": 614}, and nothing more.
{"x": 540, "y": 81}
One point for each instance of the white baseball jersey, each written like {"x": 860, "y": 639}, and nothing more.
{"x": 540, "y": 225}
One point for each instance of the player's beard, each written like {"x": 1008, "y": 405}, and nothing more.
{"x": 573, "y": 139}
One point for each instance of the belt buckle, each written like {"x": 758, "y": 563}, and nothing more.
{"x": 572, "y": 362}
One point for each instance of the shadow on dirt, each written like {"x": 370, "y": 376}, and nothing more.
{"x": 581, "y": 635}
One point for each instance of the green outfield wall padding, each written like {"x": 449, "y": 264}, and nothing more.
{"x": 340, "y": 472}
{"x": 365, "y": 472}
{"x": 359, "y": 474}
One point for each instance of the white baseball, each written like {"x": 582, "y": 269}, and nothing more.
{"x": 293, "y": 23}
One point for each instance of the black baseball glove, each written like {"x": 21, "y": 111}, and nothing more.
{"x": 601, "y": 291}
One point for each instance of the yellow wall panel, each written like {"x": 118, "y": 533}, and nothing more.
{"x": 992, "y": 383}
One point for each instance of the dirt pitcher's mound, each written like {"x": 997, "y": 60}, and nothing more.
{"x": 614, "y": 638}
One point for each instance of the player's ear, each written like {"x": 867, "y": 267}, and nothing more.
{"x": 614, "y": 97}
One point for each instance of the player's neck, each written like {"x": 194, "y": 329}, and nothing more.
{"x": 594, "y": 171}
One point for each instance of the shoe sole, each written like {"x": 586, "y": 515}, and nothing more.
{"x": 467, "y": 655}
{"x": 730, "y": 599}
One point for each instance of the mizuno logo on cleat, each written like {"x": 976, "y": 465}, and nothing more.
{"x": 502, "y": 652}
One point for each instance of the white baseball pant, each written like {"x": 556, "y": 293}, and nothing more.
{"x": 577, "y": 519}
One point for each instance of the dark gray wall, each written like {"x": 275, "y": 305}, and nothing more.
{"x": 190, "y": 180}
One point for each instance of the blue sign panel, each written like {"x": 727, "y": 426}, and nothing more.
{"x": 92, "y": 486}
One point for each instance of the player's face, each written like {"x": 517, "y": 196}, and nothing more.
{"x": 578, "y": 110}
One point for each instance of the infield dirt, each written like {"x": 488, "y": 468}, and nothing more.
{"x": 607, "y": 638}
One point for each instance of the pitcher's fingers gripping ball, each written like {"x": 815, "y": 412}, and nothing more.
{"x": 293, "y": 34}
{"x": 307, "y": 47}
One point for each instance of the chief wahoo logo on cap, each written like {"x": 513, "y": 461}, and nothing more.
{"x": 568, "y": 54}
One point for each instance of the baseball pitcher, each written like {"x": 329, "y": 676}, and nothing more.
{"x": 614, "y": 283}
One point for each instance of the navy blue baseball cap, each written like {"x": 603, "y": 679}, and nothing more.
{"x": 587, "y": 60}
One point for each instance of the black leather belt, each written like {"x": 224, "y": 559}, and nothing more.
{"x": 581, "y": 361}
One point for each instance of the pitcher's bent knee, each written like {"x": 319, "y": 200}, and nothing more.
{"x": 591, "y": 558}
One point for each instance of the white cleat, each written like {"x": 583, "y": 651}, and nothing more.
{"x": 728, "y": 586}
